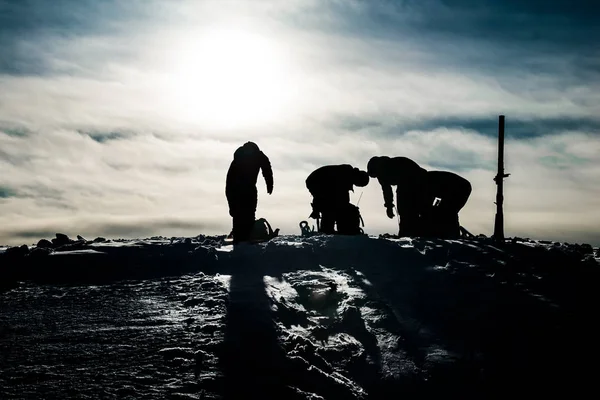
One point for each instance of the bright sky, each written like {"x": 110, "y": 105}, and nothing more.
{"x": 120, "y": 118}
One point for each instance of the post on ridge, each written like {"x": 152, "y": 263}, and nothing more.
{"x": 499, "y": 179}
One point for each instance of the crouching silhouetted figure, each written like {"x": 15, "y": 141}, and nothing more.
{"x": 240, "y": 188}
{"x": 446, "y": 194}
{"x": 330, "y": 185}
{"x": 409, "y": 179}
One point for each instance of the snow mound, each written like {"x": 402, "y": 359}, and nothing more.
{"x": 302, "y": 318}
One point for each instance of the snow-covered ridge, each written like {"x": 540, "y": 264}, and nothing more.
{"x": 307, "y": 318}
{"x": 64, "y": 260}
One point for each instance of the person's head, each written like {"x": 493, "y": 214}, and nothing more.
{"x": 249, "y": 149}
{"x": 374, "y": 166}
{"x": 360, "y": 178}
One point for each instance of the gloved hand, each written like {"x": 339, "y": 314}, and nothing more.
{"x": 390, "y": 211}
{"x": 315, "y": 214}
{"x": 270, "y": 189}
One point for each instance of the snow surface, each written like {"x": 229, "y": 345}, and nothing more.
{"x": 300, "y": 318}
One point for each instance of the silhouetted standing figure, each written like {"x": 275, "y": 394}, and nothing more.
{"x": 446, "y": 193}
{"x": 240, "y": 187}
{"x": 330, "y": 186}
{"x": 409, "y": 179}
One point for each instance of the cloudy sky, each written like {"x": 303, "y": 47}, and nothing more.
{"x": 120, "y": 118}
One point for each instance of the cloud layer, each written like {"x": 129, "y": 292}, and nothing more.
{"x": 102, "y": 133}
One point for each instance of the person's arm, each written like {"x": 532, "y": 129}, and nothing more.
{"x": 388, "y": 198}
{"x": 311, "y": 183}
{"x": 267, "y": 173}
{"x": 388, "y": 194}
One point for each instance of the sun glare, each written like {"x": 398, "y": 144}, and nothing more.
{"x": 229, "y": 78}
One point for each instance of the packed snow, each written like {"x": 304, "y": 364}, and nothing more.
{"x": 320, "y": 317}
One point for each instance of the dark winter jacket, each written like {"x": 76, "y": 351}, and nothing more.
{"x": 403, "y": 172}
{"x": 243, "y": 171}
{"x": 331, "y": 180}
{"x": 453, "y": 190}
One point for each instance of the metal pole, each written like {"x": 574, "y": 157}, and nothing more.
{"x": 499, "y": 179}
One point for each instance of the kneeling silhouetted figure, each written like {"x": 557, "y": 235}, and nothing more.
{"x": 330, "y": 186}
{"x": 240, "y": 187}
{"x": 446, "y": 194}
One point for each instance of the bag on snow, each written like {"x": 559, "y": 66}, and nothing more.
{"x": 350, "y": 221}
{"x": 262, "y": 231}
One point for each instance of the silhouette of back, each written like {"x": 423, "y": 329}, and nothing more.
{"x": 452, "y": 190}
{"x": 445, "y": 194}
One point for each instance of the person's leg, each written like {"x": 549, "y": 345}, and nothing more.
{"x": 234, "y": 212}
{"x": 410, "y": 223}
{"x": 451, "y": 226}
{"x": 408, "y": 211}
{"x": 324, "y": 204}
{"x": 328, "y": 215}
{"x": 327, "y": 222}
{"x": 440, "y": 223}
{"x": 245, "y": 215}
{"x": 245, "y": 225}
{"x": 342, "y": 211}
{"x": 341, "y": 217}
{"x": 238, "y": 226}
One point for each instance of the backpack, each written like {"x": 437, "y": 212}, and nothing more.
{"x": 262, "y": 231}
{"x": 349, "y": 221}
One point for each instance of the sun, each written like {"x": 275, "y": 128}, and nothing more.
{"x": 229, "y": 78}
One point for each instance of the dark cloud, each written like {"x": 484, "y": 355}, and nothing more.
{"x": 460, "y": 162}
{"x": 28, "y": 18}
{"x": 105, "y": 136}
{"x": 579, "y": 9}
{"x": 102, "y": 137}
{"x": 11, "y": 130}
{"x": 174, "y": 169}
{"x": 23, "y": 17}
{"x": 554, "y": 22}
{"x": 43, "y": 192}
{"x": 355, "y": 123}
{"x": 14, "y": 159}
{"x": 120, "y": 166}
{"x": 153, "y": 227}
{"x": 43, "y": 196}
{"x": 6, "y": 192}
{"x": 121, "y": 229}
{"x": 502, "y": 38}
{"x": 534, "y": 20}
{"x": 27, "y": 28}
{"x": 34, "y": 234}
{"x": 514, "y": 127}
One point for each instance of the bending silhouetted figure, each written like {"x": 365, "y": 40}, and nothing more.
{"x": 240, "y": 187}
{"x": 428, "y": 202}
{"x": 330, "y": 186}
{"x": 409, "y": 179}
